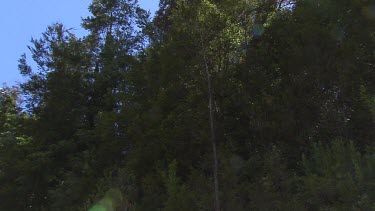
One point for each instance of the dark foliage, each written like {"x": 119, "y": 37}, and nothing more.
{"x": 130, "y": 117}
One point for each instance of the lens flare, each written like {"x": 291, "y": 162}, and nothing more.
{"x": 98, "y": 208}
{"x": 110, "y": 201}
{"x": 369, "y": 11}
{"x": 258, "y": 30}
{"x": 105, "y": 204}
{"x": 338, "y": 33}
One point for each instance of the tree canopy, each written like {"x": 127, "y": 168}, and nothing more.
{"x": 208, "y": 105}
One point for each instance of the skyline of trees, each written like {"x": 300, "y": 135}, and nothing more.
{"x": 209, "y": 105}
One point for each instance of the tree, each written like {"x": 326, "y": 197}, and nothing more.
{"x": 231, "y": 105}
{"x": 14, "y": 146}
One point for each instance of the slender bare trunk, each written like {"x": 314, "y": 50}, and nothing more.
{"x": 213, "y": 133}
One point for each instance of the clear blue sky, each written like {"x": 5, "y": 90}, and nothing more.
{"x": 22, "y": 19}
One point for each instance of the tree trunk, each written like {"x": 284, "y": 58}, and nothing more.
{"x": 213, "y": 133}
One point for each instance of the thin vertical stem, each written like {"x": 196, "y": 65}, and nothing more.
{"x": 212, "y": 128}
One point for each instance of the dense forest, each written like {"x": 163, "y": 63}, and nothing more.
{"x": 231, "y": 105}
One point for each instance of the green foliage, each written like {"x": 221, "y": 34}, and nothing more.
{"x": 179, "y": 198}
{"x": 14, "y": 148}
{"x": 338, "y": 177}
{"x": 118, "y": 119}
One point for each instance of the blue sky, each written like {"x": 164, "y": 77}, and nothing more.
{"x": 22, "y": 19}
